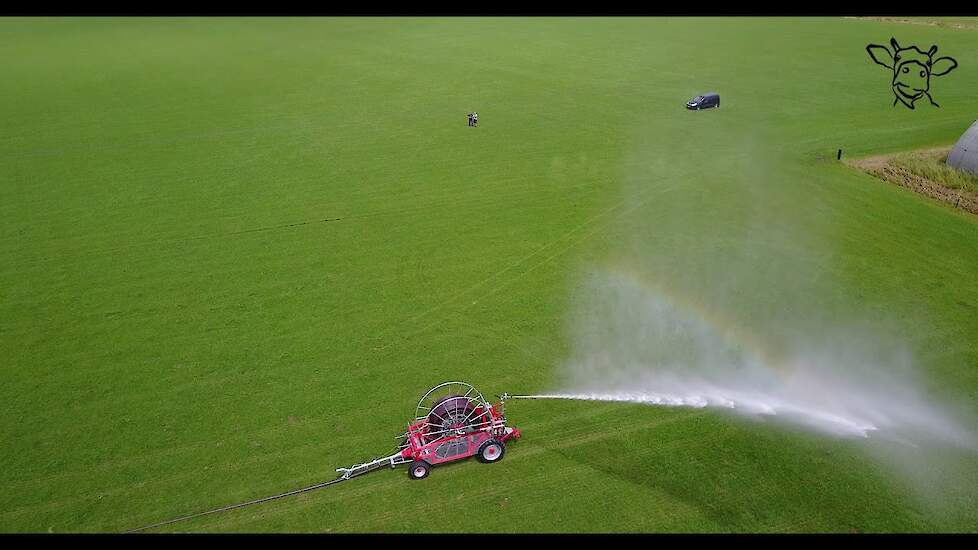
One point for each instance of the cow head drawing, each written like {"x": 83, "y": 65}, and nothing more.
{"x": 912, "y": 70}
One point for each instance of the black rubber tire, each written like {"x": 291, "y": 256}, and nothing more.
{"x": 419, "y": 469}
{"x": 482, "y": 453}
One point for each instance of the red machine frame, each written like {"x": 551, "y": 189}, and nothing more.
{"x": 483, "y": 436}
{"x": 452, "y": 422}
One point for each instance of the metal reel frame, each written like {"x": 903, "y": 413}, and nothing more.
{"x": 459, "y": 390}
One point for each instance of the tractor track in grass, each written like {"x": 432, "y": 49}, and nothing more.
{"x": 381, "y": 194}
{"x": 586, "y": 435}
{"x": 168, "y": 481}
{"x": 476, "y": 200}
{"x": 487, "y": 202}
{"x": 572, "y": 237}
{"x": 576, "y": 438}
{"x": 164, "y": 482}
{"x": 202, "y": 446}
{"x": 545, "y": 254}
{"x": 561, "y": 244}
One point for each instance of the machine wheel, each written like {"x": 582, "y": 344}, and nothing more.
{"x": 419, "y": 469}
{"x": 491, "y": 451}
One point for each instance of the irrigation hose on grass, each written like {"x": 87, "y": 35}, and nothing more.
{"x": 239, "y": 505}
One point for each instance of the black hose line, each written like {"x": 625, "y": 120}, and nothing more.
{"x": 240, "y": 505}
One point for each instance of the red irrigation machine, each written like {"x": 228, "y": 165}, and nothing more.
{"x": 452, "y": 421}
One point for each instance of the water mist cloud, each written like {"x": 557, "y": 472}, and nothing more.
{"x": 639, "y": 342}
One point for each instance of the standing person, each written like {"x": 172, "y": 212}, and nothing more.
{"x": 470, "y": 118}
{"x": 475, "y": 119}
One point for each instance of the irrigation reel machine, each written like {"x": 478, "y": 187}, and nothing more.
{"x": 452, "y": 421}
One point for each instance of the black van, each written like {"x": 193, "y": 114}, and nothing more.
{"x": 705, "y": 101}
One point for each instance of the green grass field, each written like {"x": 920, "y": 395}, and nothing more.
{"x": 236, "y": 251}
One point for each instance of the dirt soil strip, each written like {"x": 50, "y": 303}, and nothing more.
{"x": 928, "y": 22}
{"x": 882, "y": 167}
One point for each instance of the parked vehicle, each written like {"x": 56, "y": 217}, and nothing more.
{"x": 704, "y": 101}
